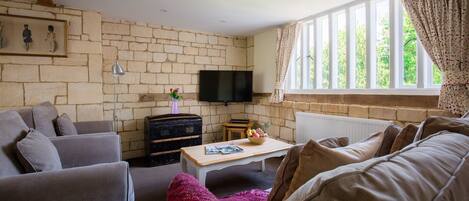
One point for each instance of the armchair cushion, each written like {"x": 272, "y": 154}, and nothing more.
{"x": 44, "y": 116}
{"x": 12, "y": 129}
{"x": 86, "y": 127}
{"x": 315, "y": 158}
{"x": 37, "y": 153}
{"x": 65, "y": 125}
{"x": 83, "y": 150}
{"x": 102, "y": 182}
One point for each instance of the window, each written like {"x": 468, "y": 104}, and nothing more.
{"x": 382, "y": 45}
{"x": 369, "y": 44}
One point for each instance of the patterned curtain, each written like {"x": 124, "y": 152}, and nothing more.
{"x": 443, "y": 28}
{"x": 287, "y": 35}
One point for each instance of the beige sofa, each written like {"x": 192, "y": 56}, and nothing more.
{"x": 434, "y": 167}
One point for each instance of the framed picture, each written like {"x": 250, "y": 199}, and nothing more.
{"x": 32, "y": 36}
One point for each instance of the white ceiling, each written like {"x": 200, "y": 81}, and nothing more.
{"x": 232, "y": 17}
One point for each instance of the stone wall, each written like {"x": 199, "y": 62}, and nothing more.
{"x": 282, "y": 116}
{"x": 73, "y": 84}
{"x": 156, "y": 59}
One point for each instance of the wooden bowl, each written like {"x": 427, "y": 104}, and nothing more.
{"x": 257, "y": 140}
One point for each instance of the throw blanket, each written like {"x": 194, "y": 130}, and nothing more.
{"x": 185, "y": 187}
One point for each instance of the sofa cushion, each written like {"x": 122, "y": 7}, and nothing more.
{"x": 288, "y": 166}
{"x": 12, "y": 129}
{"x": 65, "y": 125}
{"x": 390, "y": 134}
{"x": 404, "y": 138}
{"x": 436, "y": 168}
{"x": 37, "y": 153}
{"x": 27, "y": 115}
{"x": 334, "y": 142}
{"x": 433, "y": 125}
{"x": 315, "y": 158}
{"x": 44, "y": 116}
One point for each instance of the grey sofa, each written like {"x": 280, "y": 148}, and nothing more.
{"x": 91, "y": 161}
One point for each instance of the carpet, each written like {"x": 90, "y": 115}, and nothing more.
{"x": 151, "y": 183}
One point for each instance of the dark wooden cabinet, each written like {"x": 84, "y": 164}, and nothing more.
{"x": 166, "y": 134}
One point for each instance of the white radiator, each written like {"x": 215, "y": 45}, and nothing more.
{"x": 318, "y": 126}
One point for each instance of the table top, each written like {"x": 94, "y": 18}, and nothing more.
{"x": 238, "y": 125}
{"x": 197, "y": 153}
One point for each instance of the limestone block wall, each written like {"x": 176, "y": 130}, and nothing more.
{"x": 156, "y": 59}
{"x": 282, "y": 116}
{"x": 73, "y": 84}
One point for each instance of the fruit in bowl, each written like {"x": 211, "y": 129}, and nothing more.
{"x": 256, "y": 136}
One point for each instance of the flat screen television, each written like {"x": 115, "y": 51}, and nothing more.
{"x": 225, "y": 86}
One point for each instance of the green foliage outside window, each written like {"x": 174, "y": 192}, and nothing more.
{"x": 410, "y": 52}
{"x": 382, "y": 54}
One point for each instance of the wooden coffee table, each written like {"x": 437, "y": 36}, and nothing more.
{"x": 195, "y": 156}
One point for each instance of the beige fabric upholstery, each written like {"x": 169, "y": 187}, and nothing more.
{"x": 433, "y": 125}
{"x": 404, "y": 138}
{"x": 334, "y": 142}
{"x": 315, "y": 158}
{"x": 390, "y": 134}
{"x": 435, "y": 168}
{"x": 289, "y": 164}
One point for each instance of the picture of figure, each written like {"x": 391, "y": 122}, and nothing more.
{"x": 27, "y": 37}
{"x": 51, "y": 38}
{"x": 1, "y": 34}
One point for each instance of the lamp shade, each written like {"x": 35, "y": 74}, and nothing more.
{"x": 117, "y": 70}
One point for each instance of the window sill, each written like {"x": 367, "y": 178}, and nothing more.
{"x": 412, "y": 92}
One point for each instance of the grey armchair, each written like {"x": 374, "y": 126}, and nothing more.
{"x": 92, "y": 166}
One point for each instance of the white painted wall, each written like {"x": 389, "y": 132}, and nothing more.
{"x": 264, "y": 61}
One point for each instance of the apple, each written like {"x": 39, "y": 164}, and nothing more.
{"x": 256, "y": 135}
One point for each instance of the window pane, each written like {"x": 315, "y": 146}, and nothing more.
{"x": 436, "y": 75}
{"x": 341, "y": 51}
{"x": 324, "y": 23}
{"x": 382, "y": 44}
{"x": 311, "y": 55}
{"x": 298, "y": 66}
{"x": 410, "y": 51}
{"x": 360, "y": 47}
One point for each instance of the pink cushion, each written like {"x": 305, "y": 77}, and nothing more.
{"x": 185, "y": 187}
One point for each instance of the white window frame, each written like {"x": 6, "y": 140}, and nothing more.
{"x": 424, "y": 83}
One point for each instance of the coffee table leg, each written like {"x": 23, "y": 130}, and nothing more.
{"x": 183, "y": 163}
{"x": 262, "y": 165}
{"x": 201, "y": 176}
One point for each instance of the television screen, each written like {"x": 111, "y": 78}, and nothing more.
{"x": 225, "y": 86}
